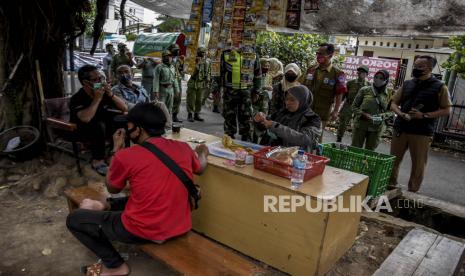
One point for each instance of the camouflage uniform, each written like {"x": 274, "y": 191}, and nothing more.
{"x": 165, "y": 83}
{"x": 178, "y": 64}
{"x": 366, "y": 131}
{"x": 215, "y": 91}
{"x": 345, "y": 114}
{"x": 237, "y": 103}
{"x": 197, "y": 85}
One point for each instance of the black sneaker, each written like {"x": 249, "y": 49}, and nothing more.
{"x": 175, "y": 118}
{"x": 197, "y": 117}
{"x": 216, "y": 109}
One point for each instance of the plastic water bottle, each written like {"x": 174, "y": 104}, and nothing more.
{"x": 299, "y": 164}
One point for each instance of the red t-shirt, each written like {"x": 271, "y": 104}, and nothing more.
{"x": 158, "y": 206}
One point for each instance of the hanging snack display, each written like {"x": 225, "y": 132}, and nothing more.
{"x": 217, "y": 42}
{"x": 293, "y": 14}
{"x": 192, "y": 34}
{"x": 235, "y": 23}
{"x": 277, "y": 13}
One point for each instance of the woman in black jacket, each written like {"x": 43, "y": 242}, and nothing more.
{"x": 294, "y": 125}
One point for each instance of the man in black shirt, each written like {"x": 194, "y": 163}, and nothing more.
{"x": 90, "y": 109}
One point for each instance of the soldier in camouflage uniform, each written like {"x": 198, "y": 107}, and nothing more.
{"x": 371, "y": 107}
{"x": 198, "y": 84}
{"x": 215, "y": 91}
{"x": 261, "y": 99}
{"x": 327, "y": 84}
{"x": 178, "y": 63}
{"x": 237, "y": 103}
{"x": 353, "y": 87}
{"x": 165, "y": 84}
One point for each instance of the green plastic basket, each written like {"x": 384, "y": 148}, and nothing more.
{"x": 377, "y": 166}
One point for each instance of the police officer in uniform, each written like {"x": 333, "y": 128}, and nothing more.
{"x": 198, "y": 84}
{"x": 353, "y": 86}
{"x": 178, "y": 62}
{"x": 371, "y": 108}
{"x": 327, "y": 84}
{"x": 237, "y": 104}
{"x": 165, "y": 84}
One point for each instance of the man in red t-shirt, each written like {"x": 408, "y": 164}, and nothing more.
{"x": 158, "y": 207}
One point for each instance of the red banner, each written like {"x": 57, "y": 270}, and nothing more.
{"x": 351, "y": 64}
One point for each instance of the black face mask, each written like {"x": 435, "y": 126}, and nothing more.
{"x": 264, "y": 70}
{"x": 201, "y": 55}
{"x": 290, "y": 77}
{"x": 417, "y": 73}
{"x": 124, "y": 79}
{"x": 175, "y": 53}
{"x": 128, "y": 133}
{"x": 166, "y": 60}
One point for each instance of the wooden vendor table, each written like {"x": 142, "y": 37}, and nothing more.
{"x": 300, "y": 243}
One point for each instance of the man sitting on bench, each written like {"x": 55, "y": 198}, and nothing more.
{"x": 90, "y": 111}
{"x": 158, "y": 207}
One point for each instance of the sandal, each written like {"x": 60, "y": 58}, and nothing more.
{"x": 95, "y": 270}
{"x": 92, "y": 270}
{"x": 101, "y": 168}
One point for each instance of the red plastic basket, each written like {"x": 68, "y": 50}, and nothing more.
{"x": 261, "y": 162}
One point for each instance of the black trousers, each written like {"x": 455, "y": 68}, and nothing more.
{"x": 96, "y": 230}
{"x": 97, "y": 131}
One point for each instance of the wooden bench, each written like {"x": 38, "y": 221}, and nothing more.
{"x": 190, "y": 254}
{"x": 58, "y": 125}
{"x": 424, "y": 253}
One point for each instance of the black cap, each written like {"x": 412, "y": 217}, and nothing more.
{"x": 147, "y": 116}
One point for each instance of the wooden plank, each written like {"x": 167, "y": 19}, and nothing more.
{"x": 408, "y": 255}
{"x": 193, "y": 254}
{"x": 444, "y": 258}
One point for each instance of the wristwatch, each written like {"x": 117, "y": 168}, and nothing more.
{"x": 425, "y": 116}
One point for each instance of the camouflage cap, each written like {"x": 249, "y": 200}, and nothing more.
{"x": 201, "y": 49}
{"x": 165, "y": 53}
{"x": 363, "y": 68}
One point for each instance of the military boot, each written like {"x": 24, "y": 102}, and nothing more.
{"x": 175, "y": 118}
{"x": 197, "y": 117}
{"x": 190, "y": 118}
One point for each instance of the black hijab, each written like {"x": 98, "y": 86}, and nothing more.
{"x": 294, "y": 119}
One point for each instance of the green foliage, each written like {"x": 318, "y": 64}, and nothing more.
{"x": 131, "y": 37}
{"x": 297, "y": 48}
{"x": 170, "y": 24}
{"x": 89, "y": 18}
{"x": 456, "y": 61}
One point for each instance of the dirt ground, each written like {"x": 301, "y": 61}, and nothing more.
{"x": 34, "y": 239}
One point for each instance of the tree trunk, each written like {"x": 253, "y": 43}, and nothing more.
{"x": 123, "y": 15}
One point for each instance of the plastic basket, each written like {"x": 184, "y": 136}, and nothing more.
{"x": 377, "y": 166}
{"x": 261, "y": 162}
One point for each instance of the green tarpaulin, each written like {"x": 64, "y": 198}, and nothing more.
{"x": 152, "y": 45}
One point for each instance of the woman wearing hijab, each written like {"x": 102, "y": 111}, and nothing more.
{"x": 292, "y": 73}
{"x": 295, "y": 124}
{"x": 275, "y": 74}
{"x": 371, "y": 107}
